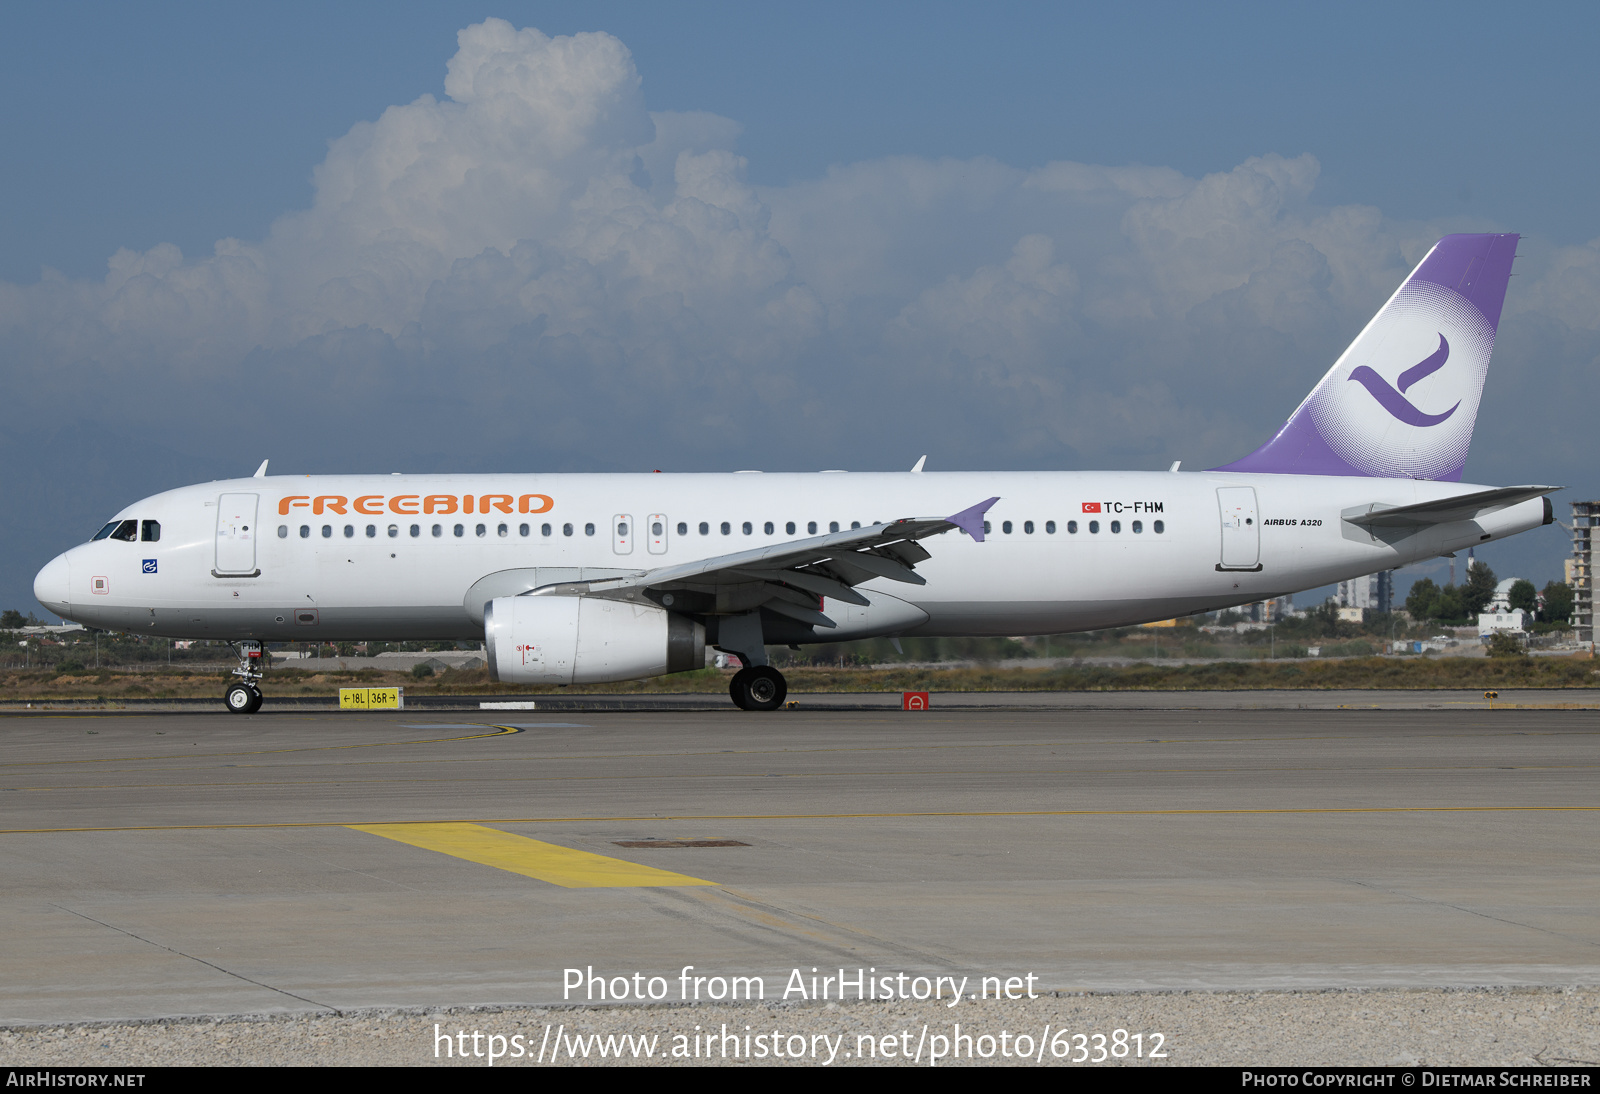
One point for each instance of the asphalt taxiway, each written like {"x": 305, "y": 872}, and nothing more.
{"x": 187, "y": 864}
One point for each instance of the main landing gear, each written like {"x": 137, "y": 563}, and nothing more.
{"x": 244, "y": 695}
{"x": 760, "y": 687}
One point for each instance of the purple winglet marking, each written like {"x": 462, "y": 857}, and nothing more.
{"x": 970, "y": 521}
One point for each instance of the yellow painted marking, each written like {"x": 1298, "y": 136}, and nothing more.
{"x": 1303, "y": 811}
{"x": 529, "y": 857}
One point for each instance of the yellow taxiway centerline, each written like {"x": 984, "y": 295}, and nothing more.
{"x": 1356, "y": 810}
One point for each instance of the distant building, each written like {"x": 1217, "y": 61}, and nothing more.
{"x": 1585, "y": 518}
{"x": 1514, "y": 622}
{"x": 1268, "y": 611}
{"x": 1374, "y": 592}
{"x": 1501, "y": 601}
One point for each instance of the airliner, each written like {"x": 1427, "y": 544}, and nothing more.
{"x": 570, "y": 579}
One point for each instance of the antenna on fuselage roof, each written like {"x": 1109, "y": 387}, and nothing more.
{"x": 917, "y": 470}
{"x": 261, "y": 472}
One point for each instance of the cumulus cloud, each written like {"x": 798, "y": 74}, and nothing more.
{"x": 535, "y": 270}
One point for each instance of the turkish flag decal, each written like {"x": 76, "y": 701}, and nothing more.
{"x": 1091, "y": 507}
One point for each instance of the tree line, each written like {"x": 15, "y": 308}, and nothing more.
{"x": 1460, "y": 606}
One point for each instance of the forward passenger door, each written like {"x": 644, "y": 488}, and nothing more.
{"x": 236, "y": 536}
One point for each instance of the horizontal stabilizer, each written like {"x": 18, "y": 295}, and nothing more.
{"x": 1444, "y": 510}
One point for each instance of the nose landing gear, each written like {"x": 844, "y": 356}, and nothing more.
{"x": 244, "y": 695}
{"x": 243, "y": 698}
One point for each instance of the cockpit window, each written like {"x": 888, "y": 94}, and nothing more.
{"x": 151, "y": 531}
{"x": 119, "y": 529}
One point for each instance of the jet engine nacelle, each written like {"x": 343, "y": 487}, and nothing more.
{"x": 585, "y": 640}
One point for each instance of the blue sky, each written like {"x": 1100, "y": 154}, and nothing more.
{"x": 896, "y": 220}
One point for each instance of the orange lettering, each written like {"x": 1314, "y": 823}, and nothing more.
{"x": 526, "y": 503}
{"x": 468, "y": 501}
{"x": 394, "y": 504}
{"x": 502, "y": 502}
{"x": 361, "y": 504}
{"x": 300, "y": 501}
{"x": 439, "y": 503}
{"x": 335, "y": 504}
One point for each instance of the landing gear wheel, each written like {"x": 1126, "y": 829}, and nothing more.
{"x": 255, "y": 699}
{"x": 241, "y": 699}
{"x": 761, "y": 687}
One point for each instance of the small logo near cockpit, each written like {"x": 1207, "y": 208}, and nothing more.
{"x": 149, "y": 565}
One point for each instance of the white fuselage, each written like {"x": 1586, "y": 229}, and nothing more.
{"x": 399, "y": 557}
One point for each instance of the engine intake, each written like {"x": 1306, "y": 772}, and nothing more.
{"x": 585, "y": 640}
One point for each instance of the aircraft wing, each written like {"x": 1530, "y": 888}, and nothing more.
{"x": 790, "y": 578}
{"x": 1445, "y": 510}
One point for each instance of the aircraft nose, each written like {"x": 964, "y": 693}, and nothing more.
{"x": 53, "y": 586}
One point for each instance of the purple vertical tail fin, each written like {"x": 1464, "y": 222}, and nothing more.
{"x": 1402, "y": 400}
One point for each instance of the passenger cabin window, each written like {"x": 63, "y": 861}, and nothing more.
{"x": 566, "y": 529}
{"x": 1094, "y": 526}
{"x": 705, "y": 529}
{"x": 1138, "y": 526}
{"x": 1116, "y": 526}
{"x": 588, "y": 529}
{"x": 747, "y": 528}
{"x": 349, "y": 531}
{"x": 727, "y": 529}
{"x": 833, "y": 526}
{"x": 416, "y": 530}
{"x": 1050, "y": 527}
{"x": 1072, "y": 527}
{"x": 1005, "y": 526}
{"x": 683, "y": 528}
{"x": 788, "y": 529}
{"x": 1159, "y": 527}
{"x": 394, "y": 530}
{"x": 327, "y": 531}
{"x": 150, "y": 531}
{"x": 481, "y": 531}
{"x": 438, "y": 530}
{"x": 1027, "y": 527}
{"x": 372, "y": 531}
{"x": 522, "y": 529}
{"x": 283, "y": 531}
{"x": 460, "y": 530}
{"x": 811, "y": 528}
{"x": 305, "y": 531}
